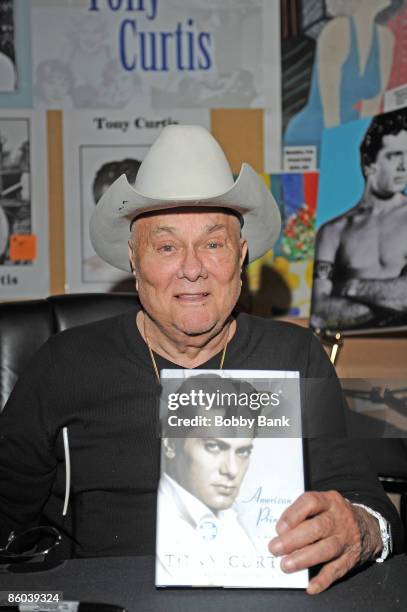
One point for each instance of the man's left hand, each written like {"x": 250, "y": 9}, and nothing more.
{"x": 325, "y": 528}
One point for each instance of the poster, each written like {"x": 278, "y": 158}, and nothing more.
{"x": 8, "y": 68}
{"x": 156, "y": 53}
{"x": 272, "y": 117}
{"x": 337, "y": 61}
{"x": 280, "y": 281}
{"x": 15, "y": 54}
{"x": 360, "y": 280}
{"x": 23, "y": 206}
{"x": 98, "y": 148}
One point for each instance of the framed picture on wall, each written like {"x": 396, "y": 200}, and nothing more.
{"x": 23, "y": 205}
{"x": 98, "y": 148}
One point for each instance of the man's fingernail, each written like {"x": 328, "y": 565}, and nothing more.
{"x": 276, "y": 547}
{"x": 287, "y": 565}
{"x": 313, "y": 588}
{"x": 282, "y": 527}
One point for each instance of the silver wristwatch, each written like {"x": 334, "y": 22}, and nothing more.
{"x": 385, "y": 532}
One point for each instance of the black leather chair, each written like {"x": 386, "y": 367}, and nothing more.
{"x": 25, "y": 326}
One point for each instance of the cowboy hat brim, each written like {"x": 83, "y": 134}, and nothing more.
{"x": 121, "y": 203}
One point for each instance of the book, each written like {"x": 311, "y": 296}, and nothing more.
{"x": 231, "y": 463}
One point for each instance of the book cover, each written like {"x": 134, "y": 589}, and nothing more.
{"x": 231, "y": 462}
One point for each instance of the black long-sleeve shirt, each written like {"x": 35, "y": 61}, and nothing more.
{"x": 98, "y": 380}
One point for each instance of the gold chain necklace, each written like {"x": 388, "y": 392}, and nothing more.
{"x": 153, "y": 361}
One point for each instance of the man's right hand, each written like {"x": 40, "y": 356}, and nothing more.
{"x": 325, "y": 528}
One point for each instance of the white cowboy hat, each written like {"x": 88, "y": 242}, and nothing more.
{"x": 184, "y": 167}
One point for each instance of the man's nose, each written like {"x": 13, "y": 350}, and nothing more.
{"x": 229, "y": 466}
{"x": 192, "y": 266}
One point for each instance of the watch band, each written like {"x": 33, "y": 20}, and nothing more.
{"x": 385, "y": 532}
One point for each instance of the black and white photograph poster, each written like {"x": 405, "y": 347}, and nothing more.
{"x": 98, "y": 148}
{"x": 158, "y": 53}
{"x": 23, "y": 205}
{"x": 8, "y": 70}
{"x": 360, "y": 268}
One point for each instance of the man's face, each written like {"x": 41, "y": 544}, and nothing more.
{"x": 187, "y": 265}
{"x": 212, "y": 469}
{"x": 388, "y": 174}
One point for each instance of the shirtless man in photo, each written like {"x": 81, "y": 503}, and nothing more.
{"x": 360, "y": 272}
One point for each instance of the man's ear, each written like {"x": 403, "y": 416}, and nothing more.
{"x": 130, "y": 252}
{"x": 370, "y": 169}
{"x": 243, "y": 251}
{"x": 169, "y": 448}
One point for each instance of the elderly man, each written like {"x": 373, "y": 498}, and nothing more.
{"x": 360, "y": 271}
{"x": 101, "y": 382}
